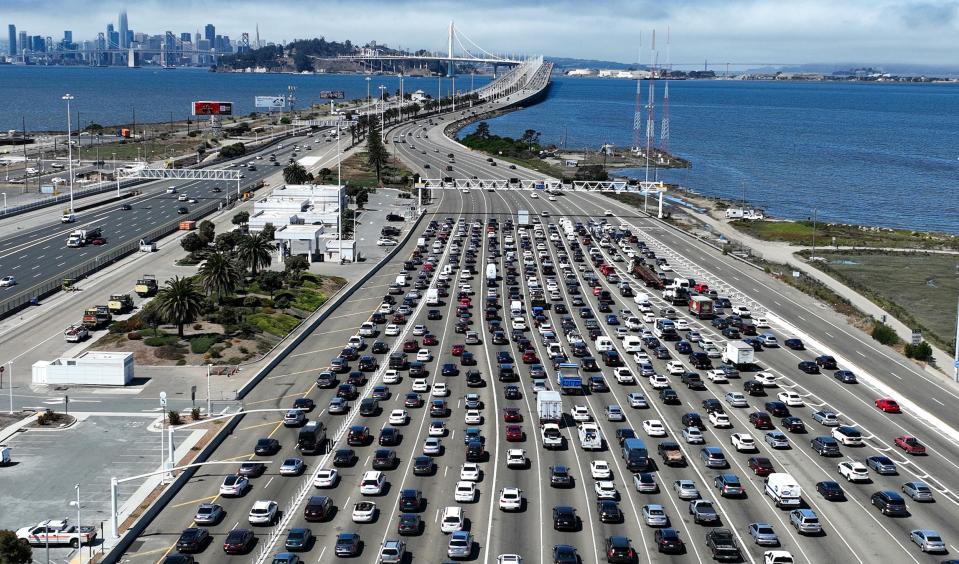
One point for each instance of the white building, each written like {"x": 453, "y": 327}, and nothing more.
{"x": 90, "y": 368}
{"x": 299, "y": 204}
{"x": 418, "y": 96}
{"x": 580, "y": 72}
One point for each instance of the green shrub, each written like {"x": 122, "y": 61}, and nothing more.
{"x": 195, "y": 414}
{"x": 885, "y": 334}
{"x": 160, "y": 341}
{"x": 922, "y": 351}
{"x": 202, "y": 343}
{"x": 278, "y": 324}
{"x": 174, "y": 418}
{"x": 134, "y": 336}
{"x": 251, "y": 301}
{"x": 281, "y": 302}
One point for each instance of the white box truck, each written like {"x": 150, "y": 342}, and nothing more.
{"x": 738, "y": 353}
{"x": 549, "y": 407}
{"x": 783, "y": 489}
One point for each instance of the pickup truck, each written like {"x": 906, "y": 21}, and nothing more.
{"x": 703, "y": 511}
{"x": 57, "y": 533}
{"x": 671, "y": 454}
{"x": 76, "y": 334}
{"x": 723, "y": 546}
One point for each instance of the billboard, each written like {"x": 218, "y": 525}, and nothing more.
{"x": 207, "y": 108}
{"x": 332, "y": 94}
{"x": 269, "y": 102}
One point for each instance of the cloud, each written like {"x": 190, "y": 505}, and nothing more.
{"x": 744, "y": 31}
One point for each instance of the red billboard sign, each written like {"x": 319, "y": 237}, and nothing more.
{"x": 207, "y": 108}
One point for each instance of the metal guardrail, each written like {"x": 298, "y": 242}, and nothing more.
{"x": 97, "y": 188}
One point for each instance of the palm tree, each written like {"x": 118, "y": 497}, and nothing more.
{"x": 255, "y": 252}
{"x": 179, "y": 302}
{"x": 219, "y": 275}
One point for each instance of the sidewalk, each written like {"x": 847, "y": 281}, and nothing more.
{"x": 776, "y": 251}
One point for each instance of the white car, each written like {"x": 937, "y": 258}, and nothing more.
{"x": 470, "y": 472}
{"x": 580, "y": 413}
{"x": 326, "y": 478}
{"x": 654, "y": 428}
{"x": 385, "y": 309}
{"x": 518, "y": 323}
{"x": 392, "y": 330}
{"x": 605, "y": 489}
{"x": 551, "y": 199}
{"x": 640, "y": 357}
{"x": 234, "y": 485}
{"x": 682, "y": 324}
{"x": 391, "y": 376}
{"x": 437, "y": 428}
{"x": 534, "y": 195}
{"x": 473, "y": 417}
{"x": 741, "y": 311}
{"x": 516, "y": 458}
{"x": 675, "y": 367}
{"x": 510, "y": 499}
{"x": 423, "y": 355}
{"x": 440, "y": 390}
{"x": 665, "y": 267}
{"x": 420, "y": 385}
{"x": 372, "y": 483}
{"x": 7, "y": 281}
{"x": 465, "y": 492}
{"x": 623, "y": 375}
{"x": 608, "y": 213}
{"x": 658, "y": 381}
{"x": 648, "y": 317}
{"x": 790, "y": 398}
{"x": 364, "y": 512}
{"x": 719, "y": 420}
{"x": 399, "y": 417}
{"x": 600, "y": 470}
{"x": 633, "y": 324}
{"x": 386, "y": 242}
{"x": 263, "y": 513}
{"x": 716, "y": 376}
{"x": 761, "y": 322}
{"x": 853, "y": 471}
{"x": 767, "y": 379}
{"x": 367, "y": 329}
{"x": 743, "y": 442}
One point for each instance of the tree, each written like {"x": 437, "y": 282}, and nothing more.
{"x": 297, "y": 264}
{"x": 255, "y": 252}
{"x": 219, "y": 275}
{"x": 269, "y": 231}
{"x": 482, "y": 130}
{"x": 285, "y": 120}
{"x": 233, "y": 151}
{"x": 376, "y": 154}
{"x": 415, "y": 108}
{"x": 294, "y": 173}
{"x": 530, "y": 137}
{"x": 226, "y": 241}
{"x": 207, "y": 231}
{"x": 192, "y": 242}
{"x": 271, "y": 281}
{"x": 179, "y": 302}
{"x": 12, "y": 550}
{"x": 326, "y": 173}
{"x": 151, "y": 316}
{"x": 241, "y": 218}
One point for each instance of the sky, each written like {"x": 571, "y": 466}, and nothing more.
{"x": 748, "y": 32}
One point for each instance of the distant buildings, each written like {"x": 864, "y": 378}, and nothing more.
{"x": 12, "y": 38}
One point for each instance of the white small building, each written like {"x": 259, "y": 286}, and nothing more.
{"x": 418, "y": 96}
{"x": 298, "y": 204}
{"x": 333, "y": 247}
{"x": 580, "y": 72}
{"x": 300, "y": 239}
{"x": 92, "y": 368}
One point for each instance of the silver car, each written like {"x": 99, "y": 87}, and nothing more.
{"x": 208, "y": 514}
{"x": 654, "y": 515}
{"x": 292, "y": 467}
{"x": 763, "y": 534}
{"x": 636, "y": 399}
{"x": 736, "y": 399}
{"x": 927, "y": 540}
{"x": 918, "y": 491}
{"x": 777, "y": 439}
{"x": 460, "y": 545}
{"x": 686, "y": 489}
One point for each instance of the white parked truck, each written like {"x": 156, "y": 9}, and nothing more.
{"x": 81, "y": 237}
{"x": 590, "y": 437}
{"x": 57, "y": 533}
{"x": 738, "y": 353}
{"x": 549, "y": 406}
{"x": 783, "y": 489}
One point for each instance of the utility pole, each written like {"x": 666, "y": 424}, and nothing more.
{"x": 68, "y": 97}
{"x": 813, "y": 256}
{"x": 956, "y": 359}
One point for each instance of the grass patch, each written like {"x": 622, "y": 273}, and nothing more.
{"x": 356, "y": 171}
{"x": 801, "y": 233}
{"x": 279, "y": 324}
{"x": 919, "y": 289}
{"x": 202, "y": 343}
{"x": 307, "y": 299}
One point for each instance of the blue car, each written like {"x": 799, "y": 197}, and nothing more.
{"x": 286, "y": 558}
{"x": 611, "y": 319}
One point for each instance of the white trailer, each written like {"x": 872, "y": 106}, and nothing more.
{"x": 549, "y": 407}
{"x": 738, "y": 353}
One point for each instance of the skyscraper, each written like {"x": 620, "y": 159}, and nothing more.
{"x": 110, "y": 35}
{"x": 67, "y": 37}
{"x": 124, "y": 28}
{"x": 12, "y": 37}
{"x": 23, "y": 42}
{"x": 209, "y": 33}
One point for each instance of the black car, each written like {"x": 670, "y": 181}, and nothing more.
{"x": 826, "y": 361}
{"x": 609, "y": 511}
{"x": 178, "y": 558}
{"x": 126, "y": 207}
{"x": 182, "y": 210}
{"x": 473, "y": 378}
{"x": 389, "y": 436}
{"x": 684, "y": 347}
{"x": 266, "y": 447}
{"x": 410, "y": 500}
{"x": 712, "y": 404}
{"x": 669, "y": 396}
{"x": 700, "y": 361}
{"x": 318, "y": 508}
{"x": 624, "y": 433}
{"x": 305, "y": 404}
{"x": 384, "y": 459}
{"x": 193, "y": 539}
{"x": 409, "y": 524}
{"x": 565, "y": 518}
{"x": 251, "y": 469}
{"x": 668, "y": 541}
{"x": 367, "y": 363}
{"x": 434, "y": 314}
{"x": 344, "y": 457}
{"x": 693, "y": 420}
{"x": 438, "y": 408}
{"x": 619, "y": 551}
{"x": 449, "y": 369}
{"x": 754, "y": 388}
{"x": 693, "y": 381}
{"x": 559, "y": 477}
{"x": 299, "y": 538}
{"x": 369, "y": 407}
{"x": 761, "y": 420}
{"x": 809, "y": 367}
{"x": 890, "y": 503}
{"x": 239, "y": 541}
{"x": 845, "y": 376}
{"x": 777, "y": 408}
{"x": 793, "y": 424}
{"x": 346, "y": 391}
{"x": 565, "y": 554}
{"x": 830, "y": 490}
{"x": 423, "y": 466}
{"x": 794, "y": 344}
{"x": 347, "y": 544}
{"x": 588, "y": 364}
{"x": 379, "y": 347}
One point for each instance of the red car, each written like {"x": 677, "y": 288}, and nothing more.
{"x": 399, "y": 319}
{"x": 529, "y": 357}
{"x": 512, "y": 415}
{"x": 465, "y": 302}
{"x": 457, "y": 350}
{"x": 411, "y": 346}
{"x": 427, "y": 266}
{"x": 888, "y": 405}
{"x": 514, "y": 433}
{"x": 761, "y": 465}
{"x": 596, "y": 290}
{"x": 99, "y": 241}
{"x": 910, "y": 444}
{"x": 430, "y": 340}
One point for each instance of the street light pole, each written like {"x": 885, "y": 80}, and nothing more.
{"x": 115, "y": 175}
{"x": 208, "y": 399}
{"x": 79, "y": 537}
{"x": 368, "y": 100}
{"x": 69, "y": 97}
{"x": 10, "y": 382}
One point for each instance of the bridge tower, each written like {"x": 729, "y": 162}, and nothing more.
{"x": 449, "y": 38}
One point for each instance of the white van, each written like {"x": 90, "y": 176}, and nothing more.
{"x": 401, "y": 280}
{"x": 452, "y": 519}
{"x": 516, "y": 307}
{"x": 604, "y": 344}
{"x": 632, "y": 343}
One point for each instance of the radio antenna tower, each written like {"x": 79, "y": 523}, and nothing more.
{"x": 650, "y": 109}
{"x": 638, "y": 110}
{"x": 664, "y": 128}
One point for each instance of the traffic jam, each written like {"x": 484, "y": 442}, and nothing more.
{"x": 535, "y": 390}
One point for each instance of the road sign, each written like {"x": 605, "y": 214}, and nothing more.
{"x": 193, "y": 394}
{"x": 162, "y": 399}
{"x": 916, "y": 337}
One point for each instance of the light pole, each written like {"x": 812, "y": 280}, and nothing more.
{"x": 382, "y": 125}
{"x": 367, "y": 107}
{"x": 208, "y": 399}
{"x": 69, "y": 97}
{"x": 10, "y": 382}
{"x": 453, "y": 78}
{"x": 401, "y": 98}
{"x": 79, "y": 537}
{"x": 115, "y": 175}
